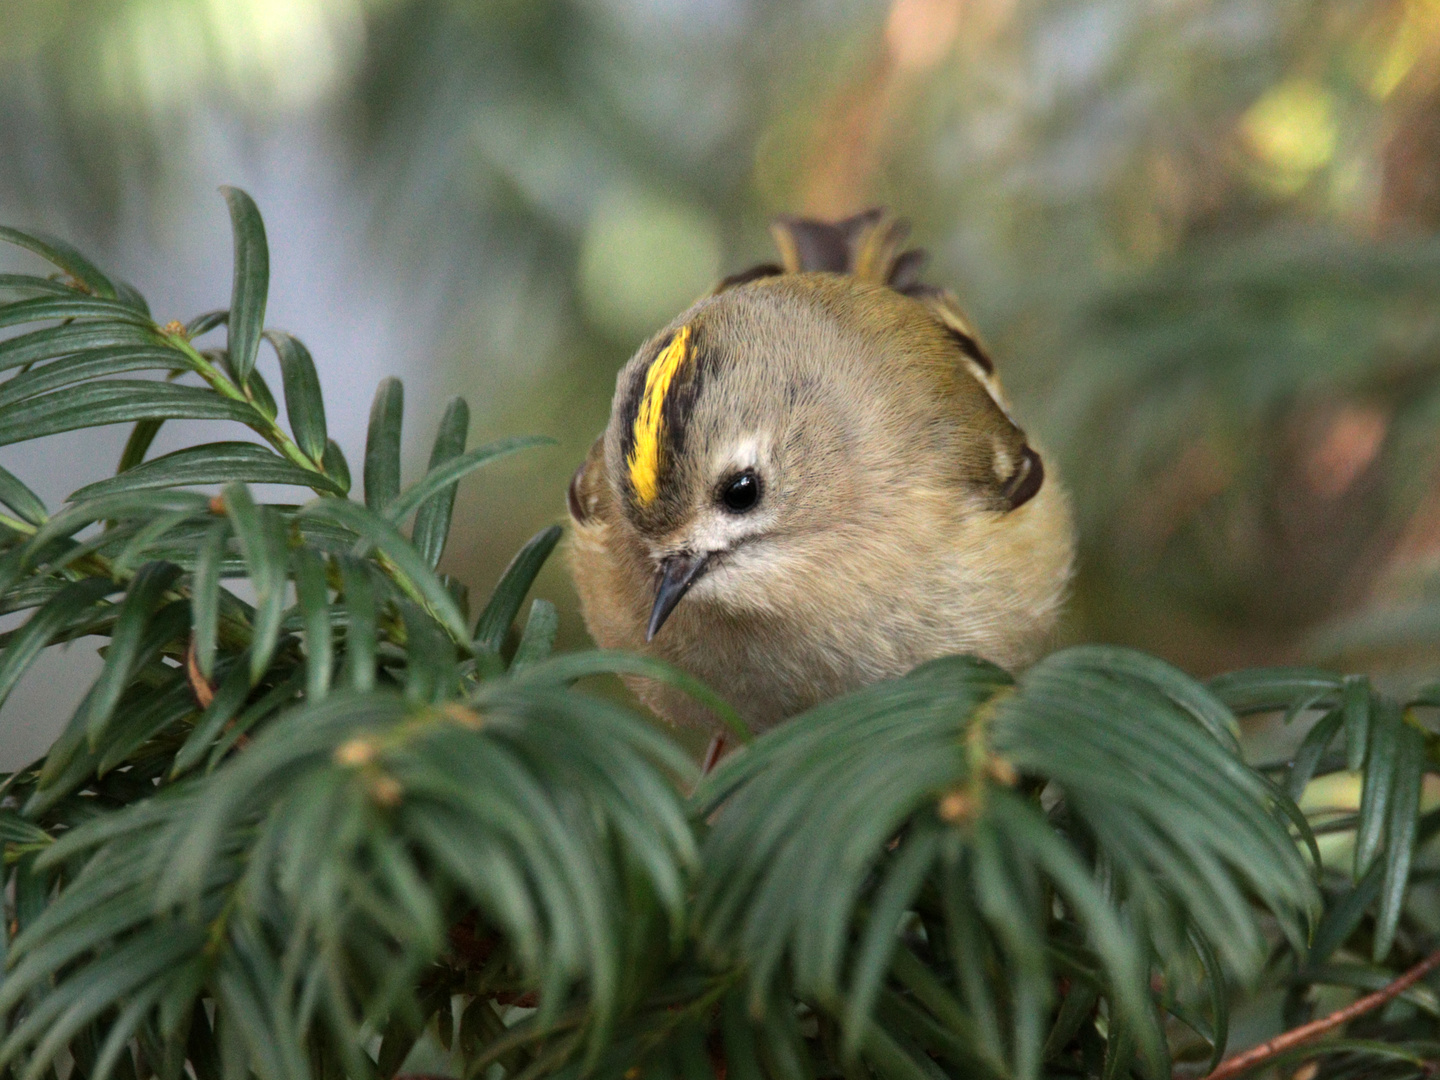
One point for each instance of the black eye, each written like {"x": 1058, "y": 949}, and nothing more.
{"x": 741, "y": 492}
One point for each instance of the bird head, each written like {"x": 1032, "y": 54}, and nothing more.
{"x": 790, "y": 412}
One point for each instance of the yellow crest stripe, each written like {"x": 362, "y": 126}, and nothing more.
{"x": 644, "y": 460}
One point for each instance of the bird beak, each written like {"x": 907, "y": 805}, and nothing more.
{"x": 677, "y": 574}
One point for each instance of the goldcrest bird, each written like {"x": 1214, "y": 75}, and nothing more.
{"x": 811, "y": 480}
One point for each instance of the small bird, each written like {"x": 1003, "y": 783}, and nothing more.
{"x": 811, "y": 480}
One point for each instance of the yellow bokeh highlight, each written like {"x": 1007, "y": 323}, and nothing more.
{"x": 1417, "y": 34}
{"x": 1292, "y": 131}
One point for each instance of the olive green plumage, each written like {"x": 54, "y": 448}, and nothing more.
{"x": 811, "y": 481}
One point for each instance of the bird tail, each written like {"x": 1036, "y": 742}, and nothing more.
{"x": 869, "y": 245}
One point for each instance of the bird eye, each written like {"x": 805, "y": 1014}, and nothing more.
{"x": 741, "y": 492}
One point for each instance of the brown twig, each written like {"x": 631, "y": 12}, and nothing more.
{"x": 1241, "y": 1063}
{"x": 199, "y": 685}
{"x": 204, "y": 692}
{"x": 713, "y": 753}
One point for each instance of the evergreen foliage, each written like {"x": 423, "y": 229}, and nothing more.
{"x": 318, "y": 818}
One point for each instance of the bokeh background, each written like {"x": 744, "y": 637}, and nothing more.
{"x": 1200, "y": 237}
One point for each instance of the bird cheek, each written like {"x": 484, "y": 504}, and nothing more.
{"x": 746, "y": 579}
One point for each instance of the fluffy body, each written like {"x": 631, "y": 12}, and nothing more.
{"x": 882, "y": 537}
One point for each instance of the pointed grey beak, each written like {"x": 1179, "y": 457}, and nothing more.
{"x": 677, "y": 574}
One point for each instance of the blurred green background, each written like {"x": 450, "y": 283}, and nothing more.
{"x": 1200, "y": 237}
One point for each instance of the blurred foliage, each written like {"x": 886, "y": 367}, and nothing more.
{"x": 1198, "y": 236}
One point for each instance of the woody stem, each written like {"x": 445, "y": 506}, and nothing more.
{"x": 1242, "y": 1063}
